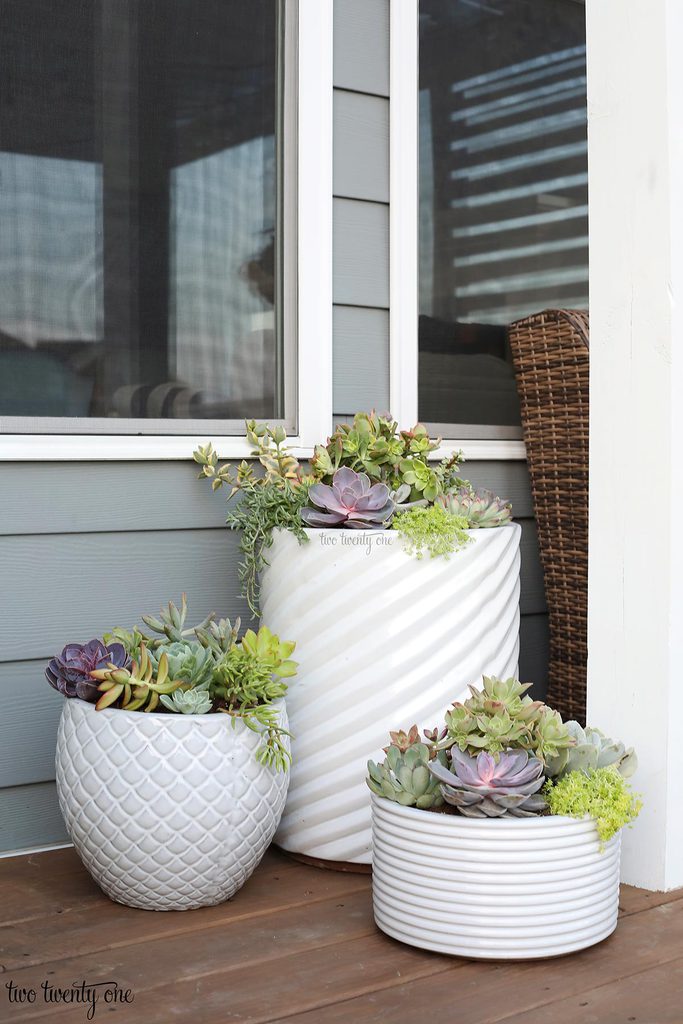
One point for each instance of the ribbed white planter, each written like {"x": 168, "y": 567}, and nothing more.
{"x": 383, "y": 640}
{"x": 501, "y": 888}
{"x": 167, "y": 812}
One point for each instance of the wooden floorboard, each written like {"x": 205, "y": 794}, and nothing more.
{"x": 299, "y": 945}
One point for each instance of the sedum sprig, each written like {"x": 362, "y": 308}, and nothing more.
{"x": 431, "y": 529}
{"x": 600, "y": 793}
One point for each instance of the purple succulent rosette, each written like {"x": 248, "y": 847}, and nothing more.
{"x": 483, "y": 787}
{"x": 351, "y": 501}
{"x": 69, "y": 672}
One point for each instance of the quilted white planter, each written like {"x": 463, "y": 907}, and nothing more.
{"x": 501, "y": 889}
{"x": 167, "y": 812}
{"x": 383, "y": 640}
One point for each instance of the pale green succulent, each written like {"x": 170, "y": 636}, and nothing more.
{"x": 219, "y": 636}
{"x": 189, "y": 702}
{"x": 404, "y": 777}
{"x": 501, "y": 716}
{"x": 171, "y": 623}
{"x": 481, "y": 508}
{"x": 592, "y": 750}
{"x": 187, "y": 660}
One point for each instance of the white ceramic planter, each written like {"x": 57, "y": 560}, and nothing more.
{"x": 501, "y": 889}
{"x": 383, "y": 640}
{"x": 167, "y": 812}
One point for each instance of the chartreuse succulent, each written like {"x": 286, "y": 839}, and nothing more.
{"x": 189, "y": 670}
{"x": 599, "y": 793}
{"x": 431, "y": 530}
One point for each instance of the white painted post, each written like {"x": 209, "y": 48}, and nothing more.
{"x": 635, "y": 616}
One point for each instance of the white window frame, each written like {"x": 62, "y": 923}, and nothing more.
{"x": 403, "y": 237}
{"x": 311, "y": 283}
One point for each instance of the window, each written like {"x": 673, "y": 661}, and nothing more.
{"x": 148, "y": 214}
{"x": 503, "y": 216}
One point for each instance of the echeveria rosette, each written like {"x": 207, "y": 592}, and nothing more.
{"x": 488, "y": 787}
{"x": 70, "y": 671}
{"x": 351, "y": 501}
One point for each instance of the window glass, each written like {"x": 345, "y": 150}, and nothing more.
{"x": 503, "y": 195}
{"x": 139, "y": 228}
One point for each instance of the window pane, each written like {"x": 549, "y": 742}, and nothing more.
{"x": 503, "y": 193}
{"x": 139, "y": 233}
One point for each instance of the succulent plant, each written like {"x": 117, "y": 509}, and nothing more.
{"x": 481, "y": 508}
{"x": 189, "y": 702}
{"x": 137, "y": 688}
{"x": 254, "y": 670}
{"x": 219, "y": 636}
{"x": 405, "y": 778}
{"x": 351, "y": 501}
{"x": 374, "y": 445}
{"x": 593, "y": 750}
{"x": 402, "y": 740}
{"x": 171, "y": 623}
{"x": 430, "y": 529}
{"x": 188, "y": 660}
{"x": 71, "y": 671}
{"x": 268, "y": 446}
{"x": 488, "y": 787}
{"x": 500, "y": 716}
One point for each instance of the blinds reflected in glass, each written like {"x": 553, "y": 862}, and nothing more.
{"x": 503, "y": 193}
{"x": 138, "y": 223}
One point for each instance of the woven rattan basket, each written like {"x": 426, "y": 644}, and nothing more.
{"x": 550, "y": 356}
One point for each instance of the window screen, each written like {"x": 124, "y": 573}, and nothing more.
{"x": 139, "y": 216}
{"x": 503, "y": 195}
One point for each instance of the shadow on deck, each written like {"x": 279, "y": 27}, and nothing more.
{"x": 299, "y": 944}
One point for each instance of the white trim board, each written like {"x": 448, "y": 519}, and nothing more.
{"x": 403, "y": 209}
{"x": 79, "y": 448}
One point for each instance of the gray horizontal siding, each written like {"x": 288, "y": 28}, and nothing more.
{"x": 361, "y": 45}
{"x": 361, "y": 211}
{"x": 361, "y": 359}
{"x": 90, "y": 497}
{"x": 74, "y": 586}
{"x": 30, "y": 817}
{"x": 361, "y": 253}
{"x": 361, "y": 146}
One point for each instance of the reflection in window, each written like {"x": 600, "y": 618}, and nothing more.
{"x": 138, "y": 222}
{"x": 503, "y": 192}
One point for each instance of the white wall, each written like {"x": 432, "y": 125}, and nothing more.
{"x": 635, "y": 670}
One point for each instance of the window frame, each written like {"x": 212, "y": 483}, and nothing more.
{"x": 403, "y": 235}
{"x": 307, "y": 275}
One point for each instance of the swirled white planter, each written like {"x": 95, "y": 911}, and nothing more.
{"x": 167, "y": 812}
{"x": 502, "y": 888}
{"x": 383, "y": 640}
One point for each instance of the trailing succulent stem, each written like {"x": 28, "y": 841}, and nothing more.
{"x": 260, "y": 511}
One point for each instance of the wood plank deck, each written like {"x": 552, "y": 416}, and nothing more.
{"x": 299, "y": 944}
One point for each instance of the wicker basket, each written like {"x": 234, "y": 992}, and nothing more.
{"x": 550, "y": 356}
